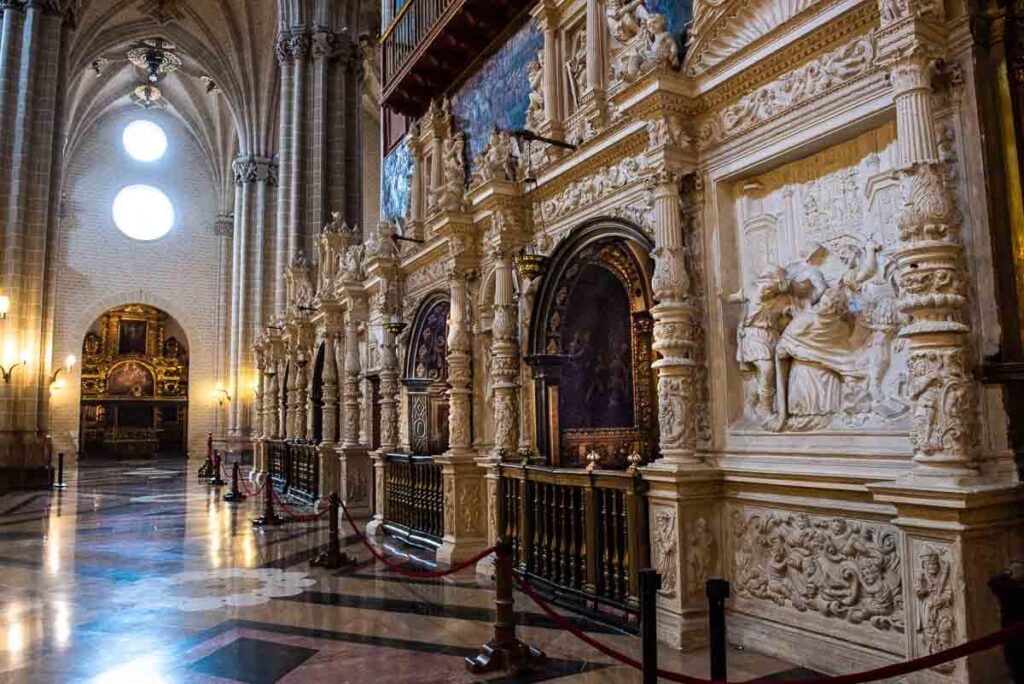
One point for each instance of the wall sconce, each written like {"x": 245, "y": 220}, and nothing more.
{"x": 56, "y": 382}
{"x": 7, "y": 370}
{"x": 5, "y": 306}
{"x": 221, "y": 394}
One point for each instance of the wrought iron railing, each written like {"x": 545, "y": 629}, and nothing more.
{"x": 414, "y": 499}
{"x": 294, "y": 468}
{"x": 407, "y": 31}
{"x": 583, "y": 534}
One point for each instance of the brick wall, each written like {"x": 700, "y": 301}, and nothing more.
{"x": 98, "y": 267}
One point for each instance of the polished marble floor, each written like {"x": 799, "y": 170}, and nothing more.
{"x": 137, "y": 573}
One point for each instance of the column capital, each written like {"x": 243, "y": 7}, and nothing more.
{"x": 254, "y": 169}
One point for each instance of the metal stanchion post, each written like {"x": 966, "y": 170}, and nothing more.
{"x": 717, "y": 591}
{"x": 650, "y": 583}
{"x": 1009, "y": 590}
{"x": 59, "y": 484}
{"x": 269, "y": 517}
{"x": 333, "y": 558}
{"x": 215, "y": 479}
{"x": 504, "y": 651}
{"x": 235, "y": 494}
{"x": 206, "y": 470}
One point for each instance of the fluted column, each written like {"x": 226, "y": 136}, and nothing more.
{"x": 546, "y": 15}
{"x": 674, "y": 322}
{"x": 596, "y": 30}
{"x": 415, "y": 224}
{"x": 912, "y": 95}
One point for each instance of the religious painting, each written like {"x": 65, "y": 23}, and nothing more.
{"x": 395, "y": 181}
{"x": 130, "y": 379}
{"x": 132, "y": 337}
{"x": 596, "y": 384}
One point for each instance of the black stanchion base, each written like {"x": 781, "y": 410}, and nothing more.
{"x": 234, "y": 497}
{"x": 514, "y": 658}
{"x": 58, "y": 485}
{"x": 205, "y": 472}
{"x": 216, "y": 482}
{"x": 332, "y": 561}
{"x": 265, "y": 521}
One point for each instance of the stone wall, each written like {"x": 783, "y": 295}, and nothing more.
{"x": 98, "y": 267}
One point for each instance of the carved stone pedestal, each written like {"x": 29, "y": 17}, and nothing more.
{"x": 354, "y": 480}
{"x": 954, "y": 541}
{"x": 465, "y": 529}
{"x": 684, "y": 512}
{"x": 330, "y": 481}
{"x": 375, "y": 528}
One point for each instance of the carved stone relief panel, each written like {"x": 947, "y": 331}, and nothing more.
{"x": 847, "y": 572}
{"x": 935, "y": 616}
{"x": 817, "y": 345}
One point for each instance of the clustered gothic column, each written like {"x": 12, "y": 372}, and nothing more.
{"x": 319, "y": 138}
{"x": 34, "y": 39}
{"x": 254, "y": 175}
{"x": 224, "y": 229}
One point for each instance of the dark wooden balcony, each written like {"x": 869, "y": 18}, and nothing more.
{"x": 431, "y": 42}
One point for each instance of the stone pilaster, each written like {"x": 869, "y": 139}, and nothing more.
{"x": 414, "y": 227}
{"x": 594, "y": 99}
{"x": 546, "y": 15}
{"x": 354, "y": 472}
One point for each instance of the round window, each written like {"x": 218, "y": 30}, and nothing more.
{"x": 144, "y": 140}
{"x": 142, "y": 212}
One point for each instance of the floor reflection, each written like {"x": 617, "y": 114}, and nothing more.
{"x": 138, "y": 573}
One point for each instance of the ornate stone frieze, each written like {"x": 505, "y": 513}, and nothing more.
{"x": 604, "y": 182}
{"x": 893, "y": 11}
{"x": 429, "y": 275}
{"x": 790, "y": 90}
{"x": 843, "y": 569}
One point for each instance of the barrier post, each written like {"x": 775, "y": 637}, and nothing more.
{"x": 205, "y": 470}
{"x": 215, "y": 479}
{"x": 717, "y": 591}
{"x": 1009, "y": 590}
{"x": 504, "y": 651}
{"x": 59, "y": 484}
{"x": 333, "y": 558}
{"x": 269, "y": 517}
{"x": 650, "y": 583}
{"x": 235, "y": 495}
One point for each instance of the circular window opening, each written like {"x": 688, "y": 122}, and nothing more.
{"x": 144, "y": 140}
{"x": 142, "y": 212}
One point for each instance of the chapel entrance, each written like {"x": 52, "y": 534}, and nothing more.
{"x": 134, "y": 399}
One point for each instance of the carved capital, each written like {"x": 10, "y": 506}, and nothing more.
{"x": 254, "y": 169}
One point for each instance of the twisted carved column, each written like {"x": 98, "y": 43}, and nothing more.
{"x": 389, "y": 389}
{"x": 330, "y": 391}
{"x": 505, "y": 358}
{"x": 352, "y": 371}
{"x": 675, "y": 326}
{"x": 301, "y": 397}
{"x": 932, "y": 282}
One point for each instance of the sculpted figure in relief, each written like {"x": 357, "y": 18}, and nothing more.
{"x": 936, "y": 626}
{"x": 497, "y": 161}
{"x": 535, "y": 108}
{"x": 576, "y": 69}
{"x": 625, "y": 19}
{"x": 451, "y": 196}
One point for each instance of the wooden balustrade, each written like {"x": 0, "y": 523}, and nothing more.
{"x": 408, "y": 30}
{"x": 414, "y": 499}
{"x": 583, "y": 534}
{"x": 294, "y": 468}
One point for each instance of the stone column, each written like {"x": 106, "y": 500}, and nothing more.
{"x": 354, "y": 470}
{"x": 546, "y": 15}
{"x": 596, "y": 40}
{"x": 286, "y": 138}
{"x": 464, "y": 531}
{"x": 290, "y": 385}
{"x": 299, "y": 50}
{"x": 224, "y": 229}
{"x": 328, "y": 445}
{"x": 415, "y": 225}
{"x": 301, "y": 395}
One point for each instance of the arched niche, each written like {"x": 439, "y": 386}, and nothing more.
{"x": 426, "y": 377}
{"x": 134, "y": 391}
{"x": 590, "y": 349}
{"x": 316, "y": 397}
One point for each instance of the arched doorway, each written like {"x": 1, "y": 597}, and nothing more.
{"x": 426, "y": 378}
{"x": 134, "y": 400}
{"x": 590, "y": 347}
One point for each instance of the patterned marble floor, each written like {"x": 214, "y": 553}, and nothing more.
{"x": 139, "y": 574}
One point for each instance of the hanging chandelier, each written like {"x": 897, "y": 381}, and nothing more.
{"x": 147, "y": 96}
{"x": 156, "y": 57}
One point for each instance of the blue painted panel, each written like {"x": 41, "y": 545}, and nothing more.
{"x": 498, "y": 93}
{"x": 395, "y": 180}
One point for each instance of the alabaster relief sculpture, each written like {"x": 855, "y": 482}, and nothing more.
{"x": 816, "y": 341}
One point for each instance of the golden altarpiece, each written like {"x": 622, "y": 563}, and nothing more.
{"x": 134, "y": 385}
{"x": 731, "y": 332}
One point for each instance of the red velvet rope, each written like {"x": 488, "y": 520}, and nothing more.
{"x": 895, "y": 670}
{"x": 431, "y": 574}
{"x": 292, "y": 514}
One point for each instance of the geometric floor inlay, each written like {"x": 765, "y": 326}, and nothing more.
{"x": 253, "y": 661}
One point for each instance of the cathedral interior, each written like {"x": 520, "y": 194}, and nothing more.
{"x": 519, "y": 341}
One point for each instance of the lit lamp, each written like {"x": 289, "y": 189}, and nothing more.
{"x": 221, "y": 394}
{"x": 5, "y": 306}
{"x": 56, "y": 382}
{"x": 10, "y": 362}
